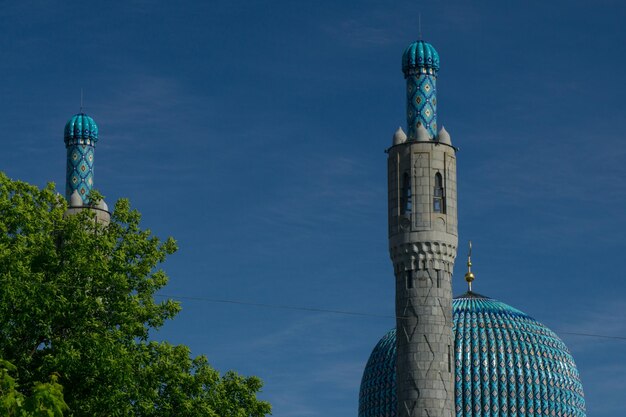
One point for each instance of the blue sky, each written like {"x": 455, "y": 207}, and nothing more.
{"x": 253, "y": 132}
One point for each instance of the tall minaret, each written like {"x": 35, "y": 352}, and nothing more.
{"x": 422, "y": 243}
{"x": 80, "y": 136}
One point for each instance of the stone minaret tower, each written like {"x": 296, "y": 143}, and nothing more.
{"x": 80, "y": 136}
{"x": 423, "y": 243}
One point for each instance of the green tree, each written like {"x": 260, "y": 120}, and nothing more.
{"x": 46, "y": 399}
{"x": 77, "y": 299}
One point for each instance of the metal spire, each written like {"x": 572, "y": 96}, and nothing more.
{"x": 469, "y": 276}
{"x": 419, "y": 19}
{"x": 81, "y": 100}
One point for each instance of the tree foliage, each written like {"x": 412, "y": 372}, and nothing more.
{"x": 77, "y": 300}
{"x": 46, "y": 399}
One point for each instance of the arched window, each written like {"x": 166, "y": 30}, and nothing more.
{"x": 408, "y": 275}
{"x": 406, "y": 205}
{"x": 439, "y": 198}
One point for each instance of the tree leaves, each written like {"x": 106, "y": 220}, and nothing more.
{"x": 46, "y": 399}
{"x": 77, "y": 300}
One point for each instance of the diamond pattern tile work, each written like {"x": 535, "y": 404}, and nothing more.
{"x": 421, "y": 92}
{"x": 506, "y": 364}
{"x": 79, "y": 176}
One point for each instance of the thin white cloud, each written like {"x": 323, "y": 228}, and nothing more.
{"x": 343, "y": 375}
{"x": 604, "y": 388}
{"x": 361, "y": 32}
{"x": 608, "y": 319}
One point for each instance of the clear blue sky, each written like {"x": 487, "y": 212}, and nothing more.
{"x": 253, "y": 132}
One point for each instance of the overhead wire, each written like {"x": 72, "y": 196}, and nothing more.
{"x": 275, "y": 306}
{"x": 340, "y": 312}
{"x": 330, "y": 311}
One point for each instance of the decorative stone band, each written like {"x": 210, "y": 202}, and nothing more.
{"x": 101, "y": 216}
{"x": 420, "y": 70}
{"x": 424, "y": 255}
{"x": 80, "y": 141}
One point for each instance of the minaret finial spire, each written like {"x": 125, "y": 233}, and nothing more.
{"x": 419, "y": 20}
{"x": 469, "y": 276}
{"x": 81, "y": 100}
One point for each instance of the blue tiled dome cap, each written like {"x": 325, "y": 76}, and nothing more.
{"x": 506, "y": 364}
{"x": 80, "y": 126}
{"x": 420, "y": 57}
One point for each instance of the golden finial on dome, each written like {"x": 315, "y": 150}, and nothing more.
{"x": 469, "y": 276}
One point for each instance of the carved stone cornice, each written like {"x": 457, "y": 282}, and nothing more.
{"x": 423, "y": 255}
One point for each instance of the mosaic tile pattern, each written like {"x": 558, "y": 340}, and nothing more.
{"x": 80, "y": 136}
{"x": 506, "y": 365}
{"x": 420, "y": 63}
{"x": 79, "y": 175}
{"x": 421, "y": 104}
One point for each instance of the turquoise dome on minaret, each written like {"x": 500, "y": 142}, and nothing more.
{"x": 81, "y": 127}
{"x": 420, "y": 57}
{"x": 505, "y": 364}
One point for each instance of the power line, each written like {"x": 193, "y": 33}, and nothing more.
{"x": 594, "y": 335}
{"x": 276, "y": 306}
{"x": 324, "y": 310}
{"x": 342, "y": 312}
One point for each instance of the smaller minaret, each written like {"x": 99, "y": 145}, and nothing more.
{"x": 80, "y": 136}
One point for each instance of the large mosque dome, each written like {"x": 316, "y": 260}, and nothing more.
{"x": 506, "y": 364}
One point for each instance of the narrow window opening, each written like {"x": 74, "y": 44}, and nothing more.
{"x": 409, "y": 279}
{"x": 449, "y": 359}
{"x": 406, "y": 205}
{"x": 439, "y": 202}
{"x": 438, "y": 278}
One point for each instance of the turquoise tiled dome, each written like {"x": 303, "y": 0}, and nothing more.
{"x": 506, "y": 363}
{"x": 81, "y": 126}
{"x": 420, "y": 56}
